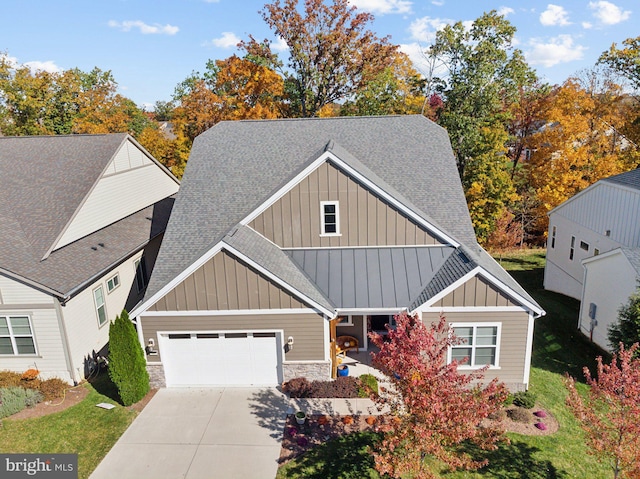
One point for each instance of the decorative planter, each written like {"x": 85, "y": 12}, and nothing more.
{"x": 301, "y": 417}
{"x": 343, "y": 370}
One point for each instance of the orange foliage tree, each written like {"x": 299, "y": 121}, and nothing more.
{"x": 610, "y": 414}
{"x": 577, "y": 146}
{"x": 435, "y": 408}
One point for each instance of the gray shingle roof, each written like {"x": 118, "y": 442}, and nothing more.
{"x": 235, "y": 167}
{"x": 266, "y": 254}
{"x": 633, "y": 255}
{"x": 43, "y": 180}
{"x": 371, "y": 277}
{"x": 629, "y": 178}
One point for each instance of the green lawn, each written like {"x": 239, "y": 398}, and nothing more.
{"x": 558, "y": 349}
{"x": 84, "y": 428}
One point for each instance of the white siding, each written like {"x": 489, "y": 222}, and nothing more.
{"x": 81, "y": 320}
{"x": 136, "y": 183}
{"x": 608, "y": 284}
{"x": 607, "y": 206}
{"x": 562, "y": 274}
{"x": 20, "y": 299}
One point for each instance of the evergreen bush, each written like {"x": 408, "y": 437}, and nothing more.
{"x": 368, "y": 385}
{"x": 127, "y": 365}
{"x": 525, "y": 399}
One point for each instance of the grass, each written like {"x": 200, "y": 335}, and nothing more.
{"x": 558, "y": 349}
{"x": 84, "y": 428}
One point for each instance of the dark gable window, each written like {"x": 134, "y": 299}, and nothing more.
{"x": 330, "y": 218}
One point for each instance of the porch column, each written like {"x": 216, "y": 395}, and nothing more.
{"x": 332, "y": 343}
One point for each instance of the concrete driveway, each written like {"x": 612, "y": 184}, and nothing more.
{"x": 208, "y": 433}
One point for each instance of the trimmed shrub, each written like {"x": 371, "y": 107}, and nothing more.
{"x": 15, "y": 399}
{"x": 499, "y": 415}
{"x": 542, "y": 426}
{"x": 368, "y": 385}
{"x": 298, "y": 388}
{"x": 509, "y": 400}
{"x": 53, "y": 388}
{"x": 525, "y": 399}
{"x": 540, "y": 413}
{"x": 520, "y": 414}
{"x": 127, "y": 366}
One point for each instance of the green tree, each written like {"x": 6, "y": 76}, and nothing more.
{"x": 127, "y": 365}
{"x": 626, "y": 329}
{"x": 625, "y": 60}
{"x": 484, "y": 73}
{"x": 332, "y": 54}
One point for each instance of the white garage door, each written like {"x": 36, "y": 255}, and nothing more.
{"x": 221, "y": 359}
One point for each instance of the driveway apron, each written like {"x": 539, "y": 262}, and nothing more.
{"x": 201, "y": 433}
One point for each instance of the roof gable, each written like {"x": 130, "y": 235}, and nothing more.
{"x": 235, "y": 167}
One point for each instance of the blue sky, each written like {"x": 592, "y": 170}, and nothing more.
{"x": 150, "y": 46}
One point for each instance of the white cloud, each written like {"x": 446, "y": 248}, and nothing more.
{"x": 438, "y": 3}
{"x": 608, "y": 13}
{"x": 560, "y": 49}
{"x": 383, "y": 6}
{"x": 587, "y": 25}
{"x": 554, "y": 15}
{"x": 227, "y": 40}
{"x": 424, "y": 29}
{"x": 48, "y": 66}
{"x": 506, "y": 11}
{"x": 144, "y": 28}
{"x": 280, "y": 45}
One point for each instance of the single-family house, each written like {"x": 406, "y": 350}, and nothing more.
{"x": 81, "y": 220}
{"x": 288, "y": 235}
{"x": 603, "y": 218}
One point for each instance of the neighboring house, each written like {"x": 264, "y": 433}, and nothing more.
{"x": 602, "y": 218}
{"x": 81, "y": 220}
{"x": 609, "y": 280}
{"x": 288, "y": 234}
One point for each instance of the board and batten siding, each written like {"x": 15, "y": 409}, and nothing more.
{"x": 293, "y": 221}
{"x": 226, "y": 283}
{"x": 607, "y": 206}
{"x": 475, "y": 292}
{"x": 307, "y": 329}
{"x": 127, "y": 187}
{"x": 512, "y": 346}
{"x": 19, "y": 299}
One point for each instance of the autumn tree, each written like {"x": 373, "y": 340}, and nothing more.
{"x": 435, "y": 408}
{"x": 397, "y": 90}
{"x": 577, "y": 146}
{"x": 609, "y": 414}
{"x": 231, "y": 89}
{"x": 626, "y": 330}
{"x": 625, "y": 60}
{"x": 332, "y": 54}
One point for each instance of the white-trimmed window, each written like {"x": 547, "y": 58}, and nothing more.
{"x": 16, "y": 335}
{"x": 479, "y": 345}
{"x": 572, "y": 248}
{"x": 113, "y": 282}
{"x": 346, "y": 322}
{"x": 330, "y": 218}
{"x": 553, "y": 236}
{"x": 141, "y": 274}
{"x": 101, "y": 307}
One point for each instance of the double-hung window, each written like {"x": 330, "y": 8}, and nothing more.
{"x": 113, "y": 282}
{"x": 101, "y": 308}
{"x": 330, "y": 218}
{"x": 479, "y": 346}
{"x": 16, "y": 335}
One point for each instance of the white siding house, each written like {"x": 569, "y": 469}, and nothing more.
{"x": 81, "y": 220}
{"x": 591, "y": 238}
{"x": 609, "y": 280}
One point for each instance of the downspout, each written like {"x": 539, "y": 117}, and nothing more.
{"x": 65, "y": 339}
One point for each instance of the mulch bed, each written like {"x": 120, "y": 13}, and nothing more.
{"x": 72, "y": 397}
{"x": 316, "y": 430}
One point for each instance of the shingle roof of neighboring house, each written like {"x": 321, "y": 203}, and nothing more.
{"x": 629, "y": 178}
{"x": 43, "y": 180}
{"x": 633, "y": 255}
{"x": 235, "y": 167}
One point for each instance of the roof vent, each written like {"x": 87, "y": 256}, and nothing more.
{"x": 94, "y": 248}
